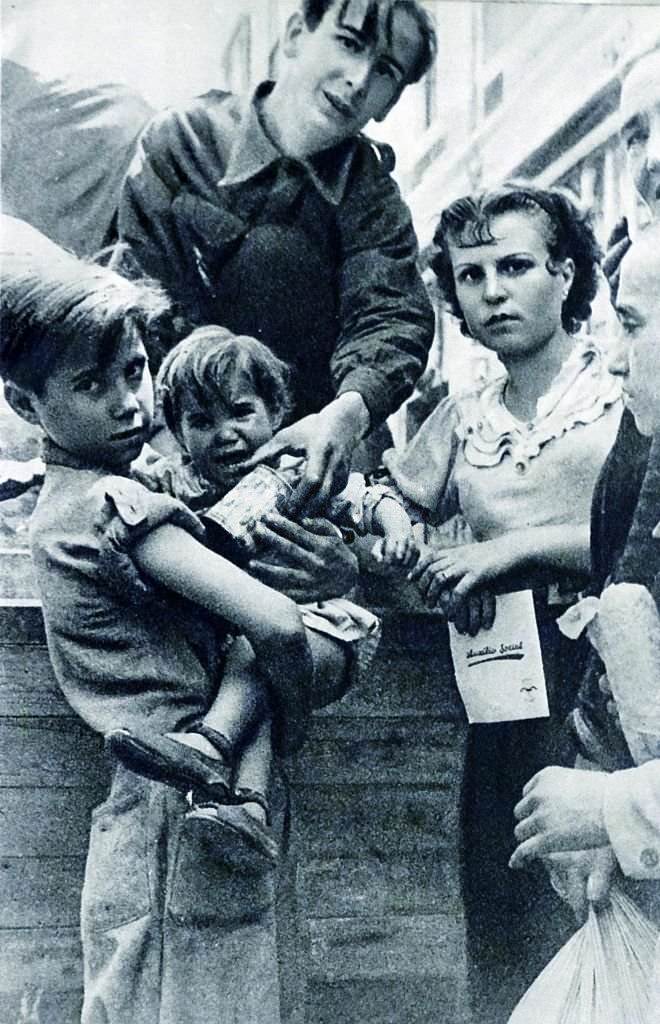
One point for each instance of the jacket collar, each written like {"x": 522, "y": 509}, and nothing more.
{"x": 254, "y": 150}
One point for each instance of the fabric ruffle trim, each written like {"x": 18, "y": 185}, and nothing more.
{"x": 579, "y": 395}
{"x": 128, "y": 513}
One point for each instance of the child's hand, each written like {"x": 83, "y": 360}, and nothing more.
{"x": 396, "y": 550}
{"x": 561, "y": 809}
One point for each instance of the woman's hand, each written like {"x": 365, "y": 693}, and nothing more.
{"x": 453, "y": 580}
{"x": 307, "y": 561}
{"x": 464, "y": 568}
{"x": 561, "y": 809}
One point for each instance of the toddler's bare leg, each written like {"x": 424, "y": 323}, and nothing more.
{"x": 253, "y": 771}
{"x": 239, "y": 703}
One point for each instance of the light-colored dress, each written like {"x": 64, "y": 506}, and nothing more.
{"x": 474, "y": 457}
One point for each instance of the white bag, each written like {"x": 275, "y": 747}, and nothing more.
{"x": 602, "y": 975}
{"x": 623, "y": 626}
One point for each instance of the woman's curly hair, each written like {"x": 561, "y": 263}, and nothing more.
{"x": 467, "y": 221}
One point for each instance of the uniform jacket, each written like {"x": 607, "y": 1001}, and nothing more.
{"x": 205, "y": 176}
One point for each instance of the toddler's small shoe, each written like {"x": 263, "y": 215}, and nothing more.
{"x": 241, "y": 840}
{"x": 163, "y": 759}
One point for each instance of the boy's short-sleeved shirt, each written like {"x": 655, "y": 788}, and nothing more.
{"x": 125, "y": 651}
{"x": 206, "y": 176}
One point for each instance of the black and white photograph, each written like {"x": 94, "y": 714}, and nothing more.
{"x": 330, "y": 512}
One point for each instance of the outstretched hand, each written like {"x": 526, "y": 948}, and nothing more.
{"x": 327, "y": 440}
{"x": 398, "y": 552}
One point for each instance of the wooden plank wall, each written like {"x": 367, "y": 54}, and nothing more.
{"x": 370, "y": 919}
{"x": 52, "y": 773}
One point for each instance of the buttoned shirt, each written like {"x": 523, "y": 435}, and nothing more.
{"x": 205, "y": 176}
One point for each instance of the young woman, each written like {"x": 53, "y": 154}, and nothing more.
{"x": 518, "y": 459}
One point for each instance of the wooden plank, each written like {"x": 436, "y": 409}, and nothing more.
{"x": 47, "y": 958}
{"x": 40, "y": 1006}
{"x": 17, "y": 576}
{"x": 27, "y": 683}
{"x": 46, "y": 822}
{"x": 374, "y": 821}
{"x": 386, "y": 947}
{"x": 21, "y": 621}
{"x": 365, "y": 886}
{"x": 44, "y": 752}
{"x": 412, "y": 671}
{"x": 387, "y": 1001}
{"x": 404, "y": 751}
{"x": 36, "y": 892}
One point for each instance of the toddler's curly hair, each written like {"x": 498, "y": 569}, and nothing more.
{"x": 213, "y": 364}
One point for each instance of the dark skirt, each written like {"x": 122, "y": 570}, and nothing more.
{"x": 515, "y": 922}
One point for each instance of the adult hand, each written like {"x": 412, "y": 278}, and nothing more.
{"x": 307, "y": 561}
{"x": 451, "y": 579}
{"x": 327, "y": 439}
{"x": 465, "y": 567}
{"x": 561, "y": 809}
{"x": 583, "y": 878}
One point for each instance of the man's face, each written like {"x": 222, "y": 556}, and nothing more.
{"x": 638, "y": 309}
{"x": 339, "y": 77}
{"x": 640, "y": 108}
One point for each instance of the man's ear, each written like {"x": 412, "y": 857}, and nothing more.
{"x": 22, "y": 402}
{"x": 295, "y": 27}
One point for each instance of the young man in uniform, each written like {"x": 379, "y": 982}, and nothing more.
{"x": 275, "y": 216}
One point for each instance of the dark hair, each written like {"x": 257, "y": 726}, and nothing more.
{"x": 378, "y": 18}
{"x": 208, "y": 362}
{"x": 467, "y": 221}
{"x": 47, "y": 301}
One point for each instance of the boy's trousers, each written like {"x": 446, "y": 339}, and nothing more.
{"x": 170, "y": 934}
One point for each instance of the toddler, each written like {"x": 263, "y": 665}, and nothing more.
{"x": 223, "y": 396}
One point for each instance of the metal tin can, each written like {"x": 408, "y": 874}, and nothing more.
{"x": 263, "y": 490}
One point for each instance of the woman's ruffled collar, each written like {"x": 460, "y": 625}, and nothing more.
{"x": 580, "y": 393}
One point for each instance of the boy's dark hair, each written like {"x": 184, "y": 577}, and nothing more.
{"x": 204, "y": 366}
{"x": 378, "y": 18}
{"x": 467, "y": 221}
{"x": 48, "y": 300}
